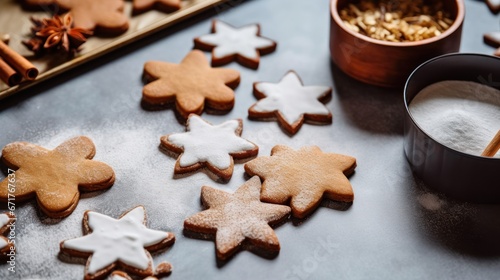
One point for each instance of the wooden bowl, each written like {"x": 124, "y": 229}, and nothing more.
{"x": 385, "y": 63}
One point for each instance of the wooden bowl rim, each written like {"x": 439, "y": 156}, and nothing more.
{"x": 456, "y": 24}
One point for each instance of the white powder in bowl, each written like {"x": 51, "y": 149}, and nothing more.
{"x": 462, "y": 115}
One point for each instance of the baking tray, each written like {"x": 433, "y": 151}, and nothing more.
{"x": 395, "y": 229}
{"x": 15, "y": 22}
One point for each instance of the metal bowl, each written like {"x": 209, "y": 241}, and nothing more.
{"x": 454, "y": 173}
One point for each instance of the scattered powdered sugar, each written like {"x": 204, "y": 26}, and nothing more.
{"x": 462, "y": 115}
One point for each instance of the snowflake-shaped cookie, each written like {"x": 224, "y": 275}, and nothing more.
{"x": 291, "y": 103}
{"x": 166, "y": 6}
{"x": 227, "y": 43}
{"x": 238, "y": 220}
{"x": 109, "y": 243}
{"x": 303, "y": 177}
{"x": 191, "y": 85}
{"x": 210, "y": 146}
{"x": 54, "y": 177}
{"x": 105, "y": 17}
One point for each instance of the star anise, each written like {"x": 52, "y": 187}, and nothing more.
{"x": 57, "y": 33}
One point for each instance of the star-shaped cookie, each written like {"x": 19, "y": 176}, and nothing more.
{"x": 6, "y": 219}
{"x": 109, "y": 243}
{"x": 191, "y": 85}
{"x": 238, "y": 220}
{"x": 291, "y": 103}
{"x": 166, "y": 6}
{"x": 210, "y": 146}
{"x": 104, "y": 17}
{"x": 54, "y": 177}
{"x": 303, "y": 177}
{"x": 227, "y": 43}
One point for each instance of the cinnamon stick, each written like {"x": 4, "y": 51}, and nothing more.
{"x": 9, "y": 75}
{"x": 18, "y": 62}
{"x": 493, "y": 146}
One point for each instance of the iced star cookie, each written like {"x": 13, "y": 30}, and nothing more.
{"x": 204, "y": 145}
{"x": 104, "y": 17}
{"x": 6, "y": 221}
{"x": 117, "y": 243}
{"x": 54, "y": 177}
{"x": 191, "y": 85}
{"x": 291, "y": 103}
{"x": 238, "y": 220}
{"x": 166, "y": 6}
{"x": 303, "y": 177}
{"x": 227, "y": 43}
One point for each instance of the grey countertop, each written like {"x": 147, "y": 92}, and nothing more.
{"x": 395, "y": 229}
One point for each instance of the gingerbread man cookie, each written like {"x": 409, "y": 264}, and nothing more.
{"x": 227, "y": 43}
{"x": 104, "y": 17}
{"x": 291, "y": 103}
{"x": 7, "y": 220}
{"x": 238, "y": 220}
{"x": 54, "y": 177}
{"x": 303, "y": 177}
{"x": 210, "y": 146}
{"x": 191, "y": 85}
{"x": 166, "y": 6}
{"x": 109, "y": 243}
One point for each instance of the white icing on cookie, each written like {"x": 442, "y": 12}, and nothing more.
{"x": 204, "y": 142}
{"x": 230, "y": 41}
{"x": 4, "y": 220}
{"x": 3, "y": 243}
{"x": 291, "y": 98}
{"x": 112, "y": 240}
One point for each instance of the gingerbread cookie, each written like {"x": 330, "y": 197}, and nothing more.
{"x": 303, "y": 177}
{"x": 110, "y": 243}
{"x": 120, "y": 275}
{"x": 204, "y": 145}
{"x": 166, "y": 6}
{"x": 54, "y": 177}
{"x": 6, "y": 246}
{"x": 191, "y": 85}
{"x": 291, "y": 103}
{"x": 104, "y": 17}
{"x": 238, "y": 220}
{"x": 37, "y": 5}
{"x": 227, "y": 43}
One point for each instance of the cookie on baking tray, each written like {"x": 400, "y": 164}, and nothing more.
{"x": 213, "y": 147}
{"x": 166, "y": 6}
{"x": 54, "y": 177}
{"x": 6, "y": 246}
{"x": 303, "y": 177}
{"x": 191, "y": 85}
{"x": 291, "y": 103}
{"x": 237, "y": 221}
{"x": 227, "y": 43}
{"x": 104, "y": 17}
{"x": 123, "y": 243}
